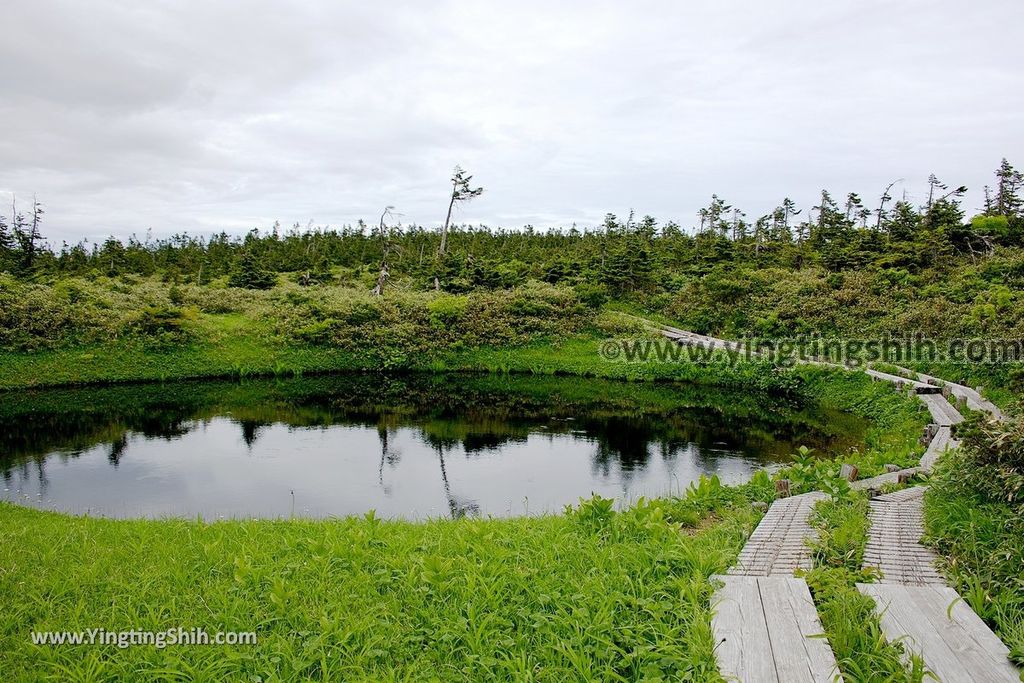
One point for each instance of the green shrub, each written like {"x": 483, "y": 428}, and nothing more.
{"x": 993, "y": 459}
{"x": 317, "y": 333}
{"x": 447, "y": 311}
{"x": 249, "y": 274}
{"x": 362, "y": 313}
{"x": 591, "y": 295}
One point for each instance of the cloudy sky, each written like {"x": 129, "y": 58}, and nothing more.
{"x": 202, "y": 116}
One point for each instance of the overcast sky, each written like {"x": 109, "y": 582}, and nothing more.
{"x": 203, "y": 116}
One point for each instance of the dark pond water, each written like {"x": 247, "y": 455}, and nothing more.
{"x": 409, "y": 447}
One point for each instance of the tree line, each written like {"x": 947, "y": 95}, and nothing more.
{"x": 622, "y": 254}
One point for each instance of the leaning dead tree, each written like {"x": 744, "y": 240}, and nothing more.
{"x": 881, "y": 215}
{"x": 461, "y": 192}
{"x": 385, "y": 243}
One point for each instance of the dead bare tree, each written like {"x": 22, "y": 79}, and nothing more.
{"x": 885, "y": 199}
{"x": 461, "y": 192}
{"x": 385, "y": 242}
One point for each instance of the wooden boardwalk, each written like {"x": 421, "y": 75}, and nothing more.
{"x": 894, "y": 541}
{"x": 767, "y": 630}
{"x": 971, "y": 397}
{"x": 942, "y": 411}
{"x": 686, "y": 337}
{"x": 914, "y": 605}
{"x": 901, "y": 382}
{"x": 778, "y": 546}
{"x": 933, "y": 622}
{"x": 765, "y": 624}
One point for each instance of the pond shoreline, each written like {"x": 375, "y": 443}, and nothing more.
{"x": 393, "y": 598}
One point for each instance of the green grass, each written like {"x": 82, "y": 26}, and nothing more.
{"x": 592, "y": 595}
{"x": 981, "y": 543}
{"x": 849, "y": 620}
{"x": 231, "y": 349}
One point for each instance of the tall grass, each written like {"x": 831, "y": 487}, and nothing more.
{"x": 596, "y": 594}
{"x": 980, "y": 539}
{"x": 850, "y": 623}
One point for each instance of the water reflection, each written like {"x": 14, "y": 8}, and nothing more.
{"x": 404, "y": 446}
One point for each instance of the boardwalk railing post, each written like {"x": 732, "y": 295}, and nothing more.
{"x": 782, "y": 488}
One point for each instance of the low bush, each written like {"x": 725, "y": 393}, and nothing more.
{"x": 975, "y": 519}
{"x": 993, "y": 459}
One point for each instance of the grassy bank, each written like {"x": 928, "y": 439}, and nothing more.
{"x": 975, "y": 519}
{"x": 849, "y": 619}
{"x": 109, "y": 331}
{"x": 591, "y": 595}
{"x": 248, "y": 355}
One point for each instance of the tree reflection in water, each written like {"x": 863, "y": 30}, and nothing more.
{"x": 627, "y": 425}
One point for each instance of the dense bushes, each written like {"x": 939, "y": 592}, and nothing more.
{"x": 993, "y": 459}
{"x": 37, "y": 316}
{"x": 969, "y": 301}
{"x": 80, "y": 312}
{"x": 974, "y": 514}
{"x": 408, "y": 323}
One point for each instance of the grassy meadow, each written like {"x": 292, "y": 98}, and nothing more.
{"x": 597, "y": 593}
{"x": 594, "y": 594}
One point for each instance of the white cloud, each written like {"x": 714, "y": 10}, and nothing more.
{"x": 199, "y": 116}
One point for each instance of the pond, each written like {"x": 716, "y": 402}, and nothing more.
{"x": 404, "y": 446}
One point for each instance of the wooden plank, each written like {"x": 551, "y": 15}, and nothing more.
{"x": 964, "y": 636}
{"x": 954, "y": 643}
{"x": 743, "y": 647}
{"x": 791, "y": 661}
{"x": 822, "y": 662}
{"x": 893, "y": 546}
{"x": 902, "y": 622}
{"x": 778, "y": 546}
{"x": 919, "y": 387}
{"x": 726, "y": 624}
{"x": 767, "y": 631}
{"x": 942, "y": 411}
{"x": 801, "y": 654}
{"x": 903, "y": 496}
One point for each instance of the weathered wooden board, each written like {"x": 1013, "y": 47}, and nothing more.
{"x": 767, "y": 631}
{"x": 918, "y": 387}
{"x": 778, "y": 545}
{"x": 942, "y": 411}
{"x": 935, "y": 623}
{"x": 940, "y": 443}
{"x": 894, "y": 539}
{"x": 975, "y": 401}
